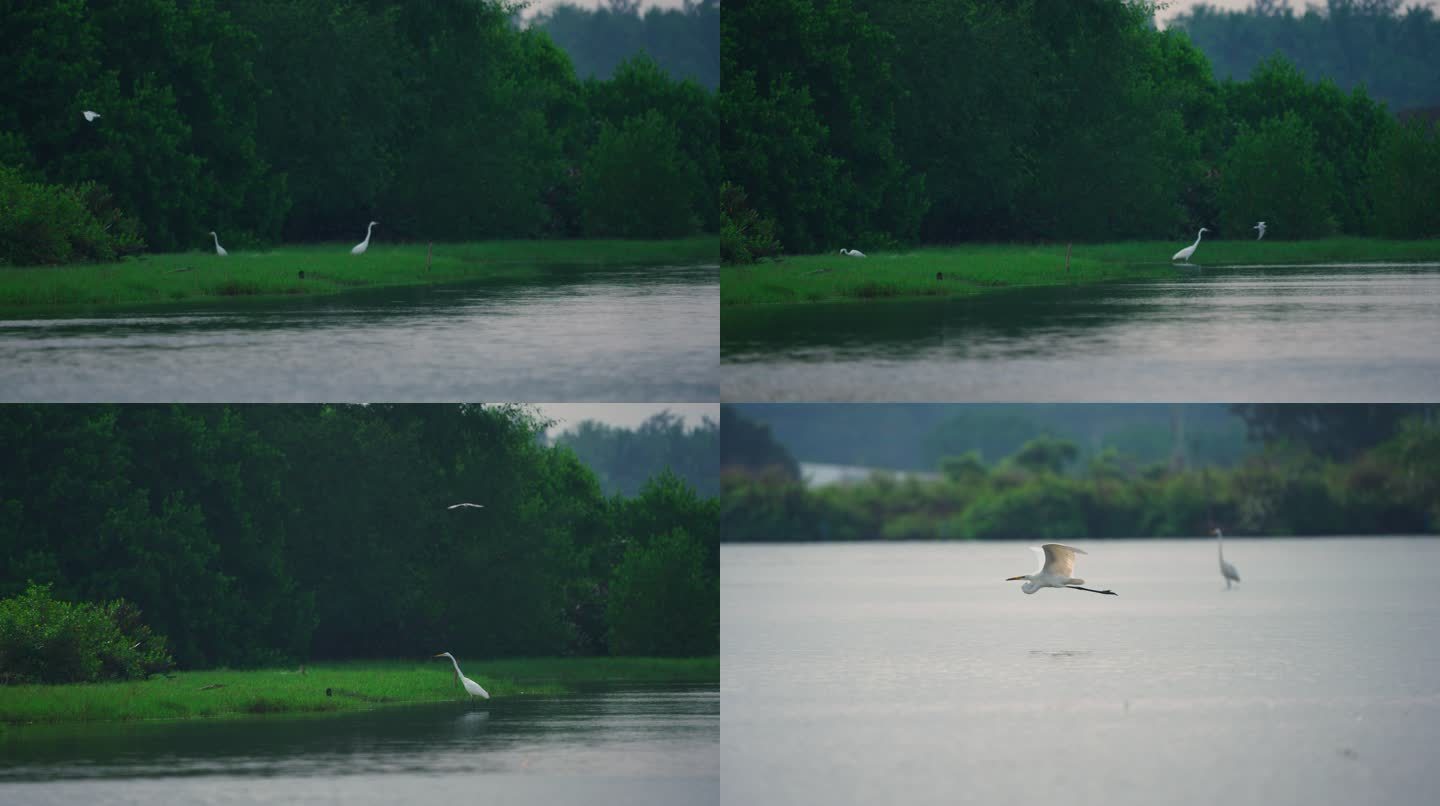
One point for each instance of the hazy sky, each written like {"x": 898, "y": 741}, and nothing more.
{"x": 1181, "y": 6}
{"x": 542, "y": 5}
{"x": 623, "y": 415}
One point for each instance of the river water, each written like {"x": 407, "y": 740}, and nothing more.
{"x": 912, "y": 673}
{"x": 639, "y": 334}
{"x": 1318, "y": 333}
{"x": 611, "y": 746}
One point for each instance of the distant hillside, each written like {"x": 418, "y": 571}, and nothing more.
{"x": 685, "y": 41}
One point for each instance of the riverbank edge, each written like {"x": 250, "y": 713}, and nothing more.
{"x": 156, "y": 281}
{"x": 974, "y": 270}
{"x": 331, "y": 688}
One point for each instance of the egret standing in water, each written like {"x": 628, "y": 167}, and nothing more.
{"x": 1184, "y": 254}
{"x": 1059, "y": 564}
{"x": 219, "y": 250}
{"x": 471, "y": 687}
{"x": 1261, "y": 227}
{"x": 365, "y": 244}
{"x": 1226, "y": 569}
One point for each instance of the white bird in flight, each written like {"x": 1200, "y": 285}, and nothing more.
{"x": 1260, "y": 226}
{"x": 365, "y": 244}
{"x": 457, "y": 506}
{"x": 471, "y": 687}
{"x": 90, "y": 116}
{"x": 1226, "y": 569}
{"x": 1055, "y": 572}
{"x": 852, "y": 252}
{"x": 219, "y": 250}
{"x": 1184, "y": 254}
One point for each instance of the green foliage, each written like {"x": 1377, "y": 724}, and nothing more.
{"x": 47, "y": 224}
{"x": 626, "y": 459}
{"x": 1273, "y": 174}
{"x": 683, "y": 41}
{"x": 1046, "y": 455}
{"x": 662, "y": 603}
{"x": 45, "y": 640}
{"x": 1404, "y": 182}
{"x": 748, "y": 446}
{"x": 636, "y": 184}
{"x": 1379, "y": 44}
{"x": 227, "y": 526}
{"x": 744, "y": 236}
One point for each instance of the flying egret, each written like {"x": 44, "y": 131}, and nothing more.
{"x": 365, "y": 244}
{"x": 457, "y": 506}
{"x": 1184, "y": 254}
{"x": 471, "y": 687}
{"x": 219, "y": 250}
{"x": 90, "y": 116}
{"x": 1226, "y": 569}
{"x": 1055, "y": 572}
{"x": 852, "y": 252}
{"x": 1260, "y": 226}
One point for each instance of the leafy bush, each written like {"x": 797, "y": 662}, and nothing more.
{"x": 744, "y": 235}
{"x": 46, "y": 640}
{"x": 1404, "y": 182}
{"x": 47, "y": 224}
{"x": 1273, "y": 173}
{"x": 662, "y": 602}
{"x": 637, "y": 183}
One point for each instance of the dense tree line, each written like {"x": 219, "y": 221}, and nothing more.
{"x": 684, "y": 41}
{"x": 624, "y": 459}
{"x": 250, "y": 534}
{"x": 865, "y": 123}
{"x": 917, "y": 436}
{"x": 1037, "y": 494}
{"x": 1391, "y": 50}
{"x": 303, "y": 120}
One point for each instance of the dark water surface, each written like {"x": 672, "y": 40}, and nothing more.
{"x": 638, "y": 334}
{"x": 911, "y": 673}
{"x": 1326, "y": 333}
{"x": 616, "y": 746}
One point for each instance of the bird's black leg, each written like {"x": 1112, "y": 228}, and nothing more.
{"x": 1092, "y": 590}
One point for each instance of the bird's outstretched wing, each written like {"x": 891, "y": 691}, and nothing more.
{"x": 1059, "y": 559}
{"x": 472, "y": 506}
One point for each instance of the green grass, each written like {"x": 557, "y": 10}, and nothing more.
{"x": 354, "y": 686}
{"x": 329, "y": 269}
{"x": 975, "y": 269}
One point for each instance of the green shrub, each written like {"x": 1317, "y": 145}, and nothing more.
{"x": 662, "y": 602}
{"x": 637, "y": 183}
{"x": 46, "y": 640}
{"x": 744, "y": 235}
{"x": 1403, "y": 184}
{"x": 48, "y": 224}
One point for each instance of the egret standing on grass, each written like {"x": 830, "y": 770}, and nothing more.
{"x": 471, "y": 687}
{"x": 1184, "y": 254}
{"x": 90, "y": 116}
{"x": 219, "y": 250}
{"x": 365, "y": 244}
{"x": 1055, "y": 572}
{"x": 1260, "y": 226}
{"x": 852, "y": 252}
{"x": 1226, "y": 569}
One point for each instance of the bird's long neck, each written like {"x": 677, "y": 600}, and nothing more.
{"x": 457, "y": 666}
{"x": 1198, "y": 236}
{"x": 367, "y": 240}
{"x": 1220, "y": 543}
{"x": 216, "y": 237}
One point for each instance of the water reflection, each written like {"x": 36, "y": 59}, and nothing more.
{"x": 1341, "y": 332}
{"x": 647, "y": 333}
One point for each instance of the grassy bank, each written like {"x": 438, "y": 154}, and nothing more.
{"x": 981, "y": 268}
{"x": 327, "y": 268}
{"x": 353, "y": 686}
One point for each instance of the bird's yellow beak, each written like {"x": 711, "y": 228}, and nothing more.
{"x": 440, "y": 655}
{"x": 1012, "y": 579}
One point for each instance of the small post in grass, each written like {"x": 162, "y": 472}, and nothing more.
{"x": 1067, "y": 258}
{"x": 429, "y": 249}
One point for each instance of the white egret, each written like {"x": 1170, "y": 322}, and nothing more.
{"x": 1260, "y": 226}
{"x": 1055, "y": 571}
{"x": 457, "y": 506}
{"x": 1184, "y": 254}
{"x": 365, "y": 244}
{"x": 852, "y": 252}
{"x": 219, "y": 250}
{"x": 1226, "y": 569}
{"x": 471, "y": 687}
{"x": 90, "y": 116}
